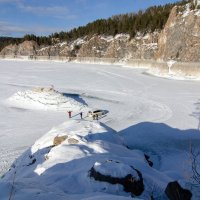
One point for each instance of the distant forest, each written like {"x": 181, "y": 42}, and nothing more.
{"x": 153, "y": 18}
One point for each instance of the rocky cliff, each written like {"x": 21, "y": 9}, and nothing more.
{"x": 24, "y": 49}
{"x": 179, "y": 41}
{"x": 120, "y": 47}
{"x": 180, "y": 38}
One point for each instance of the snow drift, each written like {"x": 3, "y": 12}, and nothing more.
{"x": 45, "y": 99}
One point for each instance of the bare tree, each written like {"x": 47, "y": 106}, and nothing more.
{"x": 195, "y": 156}
{"x": 196, "y": 114}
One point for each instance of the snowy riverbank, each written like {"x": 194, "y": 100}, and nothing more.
{"x": 158, "y": 117}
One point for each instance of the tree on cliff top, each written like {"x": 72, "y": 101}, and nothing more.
{"x": 153, "y": 18}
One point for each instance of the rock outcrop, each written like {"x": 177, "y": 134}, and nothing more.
{"x": 26, "y": 48}
{"x": 10, "y": 50}
{"x": 94, "y": 47}
{"x": 59, "y": 139}
{"x": 132, "y": 181}
{"x": 175, "y": 192}
{"x": 179, "y": 41}
{"x": 180, "y": 38}
{"x": 120, "y": 47}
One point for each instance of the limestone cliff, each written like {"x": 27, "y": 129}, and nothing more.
{"x": 120, "y": 47}
{"x": 26, "y": 48}
{"x": 180, "y": 38}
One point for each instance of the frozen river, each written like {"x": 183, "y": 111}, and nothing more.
{"x": 130, "y": 95}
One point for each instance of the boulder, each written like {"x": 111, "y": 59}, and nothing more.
{"x": 32, "y": 162}
{"x": 72, "y": 141}
{"x": 59, "y": 139}
{"x": 149, "y": 161}
{"x": 114, "y": 172}
{"x": 175, "y": 192}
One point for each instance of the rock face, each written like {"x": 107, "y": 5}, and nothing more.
{"x": 120, "y": 47}
{"x": 179, "y": 41}
{"x": 95, "y": 47}
{"x": 10, "y": 50}
{"x": 26, "y": 48}
{"x": 175, "y": 192}
{"x": 180, "y": 38}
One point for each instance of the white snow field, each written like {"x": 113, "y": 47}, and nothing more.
{"x": 151, "y": 115}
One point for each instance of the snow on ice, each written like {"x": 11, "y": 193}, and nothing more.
{"x": 149, "y": 118}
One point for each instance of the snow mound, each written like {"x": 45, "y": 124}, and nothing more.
{"x": 45, "y": 99}
{"x": 48, "y": 171}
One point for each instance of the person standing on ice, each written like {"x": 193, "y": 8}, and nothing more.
{"x": 81, "y": 115}
{"x": 70, "y": 114}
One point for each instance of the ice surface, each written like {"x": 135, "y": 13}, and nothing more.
{"x": 153, "y": 115}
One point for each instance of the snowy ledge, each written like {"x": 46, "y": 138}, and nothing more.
{"x": 57, "y": 166}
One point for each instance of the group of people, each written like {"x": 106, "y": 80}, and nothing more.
{"x": 70, "y": 114}
{"x": 81, "y": 115}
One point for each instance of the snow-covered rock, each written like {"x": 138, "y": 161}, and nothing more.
{"x": 62, "y": 172}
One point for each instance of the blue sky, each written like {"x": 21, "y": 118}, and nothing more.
{"x": 43, "y": 17}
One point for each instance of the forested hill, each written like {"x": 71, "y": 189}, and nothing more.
{"x": 153, "y": 18}
{"x": 4, "y": 41}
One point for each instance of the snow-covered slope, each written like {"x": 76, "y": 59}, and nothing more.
{"x": 63, "y": 170}
{"x": 158, "y": 117}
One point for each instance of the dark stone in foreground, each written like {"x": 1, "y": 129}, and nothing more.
{"x": 149, "y": 161}
{"x": 129, "y": 182}
{"x": 175, "y": 192}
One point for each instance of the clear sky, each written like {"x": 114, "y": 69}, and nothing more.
{"x": 43, "y": 17}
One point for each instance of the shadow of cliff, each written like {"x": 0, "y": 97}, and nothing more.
{"x": 159, "y": 135}
{"x": 196, "y": 113}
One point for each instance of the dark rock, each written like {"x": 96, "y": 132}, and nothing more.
{"x": 175, "y": 192}
{"x": 130, "y": 183}
{"x": 32, "y": 162}
{"x": 149, "y": 161}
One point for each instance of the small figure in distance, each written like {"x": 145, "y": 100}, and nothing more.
{"x": 93, "y": 116}
{"x": 70, "y": 114}
{"x": 81, "y": 115}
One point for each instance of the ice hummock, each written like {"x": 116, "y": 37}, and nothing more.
{"x": 45, "y": 99}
